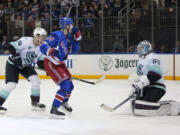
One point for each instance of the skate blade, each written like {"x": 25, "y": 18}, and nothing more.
{"x": 54, "y": 116}
{"x": 38, "y": 109}
{"x": 2, "y": 112}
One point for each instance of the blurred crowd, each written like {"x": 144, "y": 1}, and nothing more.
{"x": 37, "y": 13}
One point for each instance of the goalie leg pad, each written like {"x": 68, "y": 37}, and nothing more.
{"x": 171, "y": 108}
{"x": 144, "y": 108}
{"x": 165, "y": 108}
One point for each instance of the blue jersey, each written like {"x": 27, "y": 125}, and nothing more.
{"x": 63, "y": 43}
{"x": 56, "y": 40}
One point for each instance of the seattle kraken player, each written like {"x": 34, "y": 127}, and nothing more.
{"x": 56, "y": 48}
{"x": 148, "y": 85}
{"x": 23, "y": 53}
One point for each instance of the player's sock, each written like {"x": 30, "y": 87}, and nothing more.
{"x": 65, "y": 104}
{"x": 59, "y": 98}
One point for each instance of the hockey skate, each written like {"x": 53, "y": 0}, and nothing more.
{"x": 66, "y": 107}
{"x": 56, "y": 114}
{"x": 36, "y": 106}
{"x": 2, "y": 110}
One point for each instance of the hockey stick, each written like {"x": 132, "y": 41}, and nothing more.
{"x": 93, "y": 83}
{"x": 82, "y": 80}
{"x": 111, "y": 109}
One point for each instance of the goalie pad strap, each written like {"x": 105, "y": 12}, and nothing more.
{"x": 143, "y": 105}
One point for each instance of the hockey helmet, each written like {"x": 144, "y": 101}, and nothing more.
{"x": 39, "y": 31}
{"x": 143, "y": 48}
{"x": 65, "y": 21}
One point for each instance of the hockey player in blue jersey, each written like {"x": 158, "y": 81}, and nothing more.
{"x": 56, "y": 48}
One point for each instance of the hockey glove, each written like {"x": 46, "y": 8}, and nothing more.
{"x": 16, "y": 59}
{"x": 53, "y": 52}
{"x": 133, "y": 78}
{"x": 143, "y": 82}
{"x": 135, "y": 92}
{"x": 138, "y": 86}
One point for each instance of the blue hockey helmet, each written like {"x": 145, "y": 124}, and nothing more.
{"x": 65, "y": 21}
{"x": 143, "y": 48}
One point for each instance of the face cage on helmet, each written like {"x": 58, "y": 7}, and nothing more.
{"x": 143, "y": 49}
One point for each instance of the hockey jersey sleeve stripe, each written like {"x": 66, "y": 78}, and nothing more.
{"x": 14, "y": 44}
{"x": 156, "y": 69}
{"x": 158, "y": 86}
{"x": 40, "y": 58}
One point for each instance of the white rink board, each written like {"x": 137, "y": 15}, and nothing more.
{"x": 110, "y": 64}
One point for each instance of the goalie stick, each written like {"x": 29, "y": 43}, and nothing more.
{"x": 111, "y": 109}
{"x": 82, "y": 80}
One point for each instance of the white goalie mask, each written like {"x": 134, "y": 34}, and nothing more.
{"x": 40, "y": 34}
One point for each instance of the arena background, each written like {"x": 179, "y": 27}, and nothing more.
{"x": 111, "y": 30}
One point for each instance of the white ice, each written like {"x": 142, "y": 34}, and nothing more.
{"x": 88, "y": 118}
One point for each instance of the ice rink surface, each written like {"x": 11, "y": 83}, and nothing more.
{"x": 88, "y": 118}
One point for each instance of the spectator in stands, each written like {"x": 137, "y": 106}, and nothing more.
{"x": 55, "y": 12}
{"x": 35, "y": 5}
{"x": 88, "y": 25}
{"x": 63, "y": 4}
{"x": 30, "y": 25}
{"x": 170, "y": 3}
{"x": 118, "y": 45}
{"x": 18, "y": 22}
{"x": 15, "y": 4}
{"x": 3, "y": 44}
{"x": 117, "y": 6}
{"x": 38, "y": 22}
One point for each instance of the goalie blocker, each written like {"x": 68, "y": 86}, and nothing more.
{"x": 162, "y": 108}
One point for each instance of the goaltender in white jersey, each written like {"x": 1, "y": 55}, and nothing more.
{"x": 148, "y": 85}
{"x": 23, "y": 53}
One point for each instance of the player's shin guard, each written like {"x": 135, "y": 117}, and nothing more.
{"x": 144, "y": 108}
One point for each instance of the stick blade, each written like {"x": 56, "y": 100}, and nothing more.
{"x": 107, "y": 108}
{"x": 100, "y": 79}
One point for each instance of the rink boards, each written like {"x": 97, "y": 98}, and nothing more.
{"x": 113, "y": 66}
